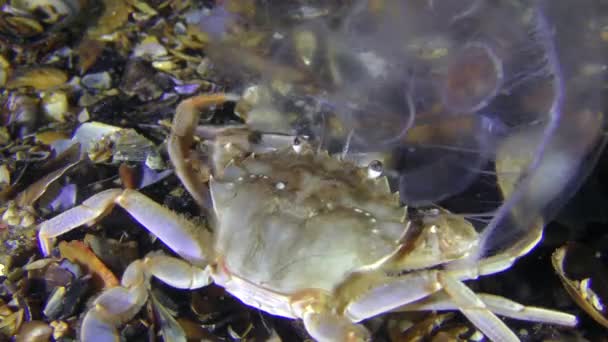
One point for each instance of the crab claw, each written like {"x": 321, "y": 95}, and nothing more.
{"x": 116, "y": 306}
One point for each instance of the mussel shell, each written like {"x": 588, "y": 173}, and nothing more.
{"x": 585, "y": 278}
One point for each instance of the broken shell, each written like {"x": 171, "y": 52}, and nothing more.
{"x": 61, "y": 200}
{"x": 145, "y": 11}
{"x": 50, "y": 273}
{"x": 128, "y": 145}
{"x": 128, "y": 176}
{"x": 5, "y": 136}
{"x": 42, "y": 78}
{"x": 50, "y": 10}
{"x": 194, "y": 332}
{"x": 19, "y": 26}
{"x": 97, "y": 81}
{"x": 88, "y": 133}
{"x": 34, "y": 331}
{"x": 60, "y": 329}
{"x": 115, "y": 254}
{"x": 23, "y": 111}
{"x": 33, "y": 192}
{"x": 164, "y": 65}
{"x": 77, "y": 252}
{"x": 106, "y": 143}
{"x": 4, "y": 70}
{"x": 88, "y": 51}
{"x": 115, "y": 14}
{"x": 66, "y": 285}
{"x": 585, "y": 279}
{"x": 17, "y": 217}
{"x": 305, "y": 43}
{"x": 138, "y": 80}
{"x": 9, "y": 324}
{"x": 5, "y": 176}
{"x": 417, "y": 326}
{"x": 54, "y": 304}
{"x": 27, "y": 220}
{"x": 84, "y": 116}
{"x": 49, "y": 137}
{"x": 150, "y": 48}
{"x": 55, "y": 105}
{"x": 169, "y": 327}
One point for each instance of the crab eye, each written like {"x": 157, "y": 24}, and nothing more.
{"x": 298, "y": 143}
{"x": 374, "y": 169}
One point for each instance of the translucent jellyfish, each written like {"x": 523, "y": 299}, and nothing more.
{"x": 472, "y": 79}
{"x": 484, "y": 107}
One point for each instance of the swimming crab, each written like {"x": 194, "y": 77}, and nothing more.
{"x": 300, "y": 234}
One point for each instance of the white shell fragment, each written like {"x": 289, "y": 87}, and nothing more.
{"x": 55, "y": 105}
{"x": 581, "y": 290}
{"x": 106, "y": 143}
{"x": 97, "y": 81}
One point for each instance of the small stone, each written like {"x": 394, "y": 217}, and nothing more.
{"x": 99, "y": 81}
{"x": 84, "y": 116}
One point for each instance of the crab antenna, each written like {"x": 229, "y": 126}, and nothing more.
{"x": 346, "y": 147}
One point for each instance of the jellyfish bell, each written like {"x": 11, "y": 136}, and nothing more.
{"x": 473, "y": 77}
{"x": 448, "y": 153}
{"x": 455, "y": 10}
{"x": 447, "y": 90}
{"x": 549, "y": 151}
{"x": 379, "y": 119}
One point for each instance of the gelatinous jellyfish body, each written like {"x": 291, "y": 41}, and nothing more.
{"x": 480, "y": 106}
{"x": 472, "y": 79}
{"x": 495, "y": 65}
{"x": 547, "y": 152}
{"x": 455, "y": 10}
{"x": 450, "y": 155}
{"x": 383, "y": 108}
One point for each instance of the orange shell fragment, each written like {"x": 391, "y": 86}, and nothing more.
{"x": 78, "y": 252}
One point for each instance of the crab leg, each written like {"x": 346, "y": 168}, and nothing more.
{"x": 179, "y": 234}
{"x": 405, "y": 293}
{"x": 475, "y": 310}
{"x": 90, "y": 211}
{"x": 498, "y": 305}
{"x": 118, "y": 305}
{"x": 328, "y": 327}
{"x": 324, "y": 324}
{"x": 418, "y": 285}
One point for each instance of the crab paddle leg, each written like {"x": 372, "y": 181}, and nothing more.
{"x": 118, "y": 305}
{"x": 328, "y": 327}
